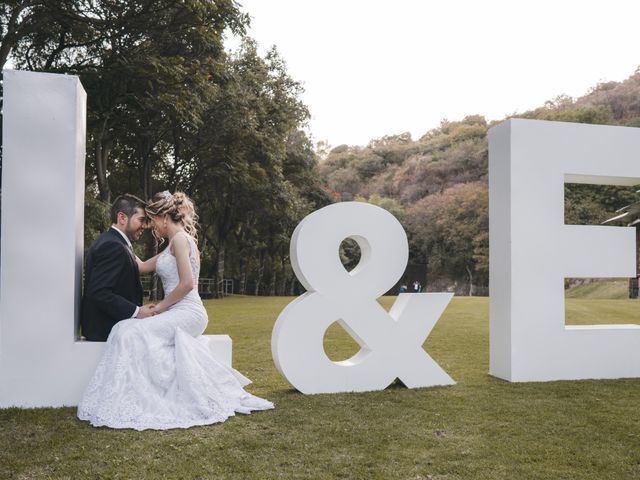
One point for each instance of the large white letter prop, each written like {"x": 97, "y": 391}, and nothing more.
{"x": 532, "y": 250}
{"x": 41, "y": 364}
{"x": 391, "y": 343}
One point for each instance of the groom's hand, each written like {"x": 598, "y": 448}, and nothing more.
{"x": 146, "y": 311}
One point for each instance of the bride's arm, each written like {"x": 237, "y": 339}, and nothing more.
{"x": 185, "y": 284}
{"x": 147, "y": 266}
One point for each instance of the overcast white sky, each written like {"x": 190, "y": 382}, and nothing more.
{"x": 381, "y": 67}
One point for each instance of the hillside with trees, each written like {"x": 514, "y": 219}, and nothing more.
{"x": 439, "y": 183}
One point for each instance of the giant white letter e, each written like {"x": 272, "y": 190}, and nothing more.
{"x": 532, "y": 250}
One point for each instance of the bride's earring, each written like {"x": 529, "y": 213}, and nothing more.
{"x": 165, "y": 222}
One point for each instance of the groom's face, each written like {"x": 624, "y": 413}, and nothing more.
{"x": 136, "y": 224}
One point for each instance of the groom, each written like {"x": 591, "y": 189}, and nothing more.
{"x": 112, "y": 288}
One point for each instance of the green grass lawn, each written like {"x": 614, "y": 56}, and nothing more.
{"x": 481, "y": 428}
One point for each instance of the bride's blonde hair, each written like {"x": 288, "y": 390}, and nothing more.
{"x": 178, "y": 206}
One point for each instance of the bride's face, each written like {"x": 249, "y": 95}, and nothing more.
{"x": 159, "y": 225}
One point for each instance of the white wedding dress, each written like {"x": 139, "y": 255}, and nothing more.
{"x": 155, "y": 374}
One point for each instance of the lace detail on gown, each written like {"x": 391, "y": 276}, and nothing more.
{"x": 156, "y": 374}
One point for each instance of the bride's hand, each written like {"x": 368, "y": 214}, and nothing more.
{"x": 146, "y": 311}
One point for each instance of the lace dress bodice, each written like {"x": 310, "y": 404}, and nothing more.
{"x": 167, "y": 270}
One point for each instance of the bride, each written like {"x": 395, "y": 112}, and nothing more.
{"x": 154, "y": 373}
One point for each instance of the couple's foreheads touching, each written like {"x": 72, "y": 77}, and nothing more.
{"x": 165, "y": 214}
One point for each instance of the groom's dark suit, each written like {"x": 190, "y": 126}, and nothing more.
{"x": 112, "y": 288}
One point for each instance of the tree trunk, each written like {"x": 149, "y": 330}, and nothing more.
{"x": 472, "y": 289}
{"x": 426, "y": 275}
{"x": 220, "y": 271}
{"x": 259, "y": 275}
{"x": 283, "y": 282}
{"x": 243, "y": 277}
{"x": 146, "y": 178}
{"x": 177, "y": 158}
{"x": 272, "y": 282}
{"x": 5, "y": 47}
{"x": 102, "y": 152}
{"x": 157, "y": 293}
{"x": 292, "y": 288}
{"x": 224, "y": 229}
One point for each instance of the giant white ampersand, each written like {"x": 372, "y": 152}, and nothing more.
{"x": 391, "y": 343}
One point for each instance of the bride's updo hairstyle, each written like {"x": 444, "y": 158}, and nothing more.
{"x": 178, "y": 206}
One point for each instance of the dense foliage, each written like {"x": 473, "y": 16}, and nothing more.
{"x": 170, "y": 108}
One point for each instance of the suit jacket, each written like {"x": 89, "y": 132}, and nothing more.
{"x": 112, "y": 287}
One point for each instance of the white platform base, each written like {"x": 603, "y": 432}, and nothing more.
{"x": 64, "y": 387}
{"x": 219, "y": 346}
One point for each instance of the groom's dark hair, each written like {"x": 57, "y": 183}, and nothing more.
{"x": 126, "y": 204}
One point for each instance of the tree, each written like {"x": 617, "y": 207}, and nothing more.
{"x": 146, "y": 66}
{"x": 23, "y": 20}
{"x": 241, "y": 152}
{"x": 450, "y": 230}
{"x": 392, "y": 205}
